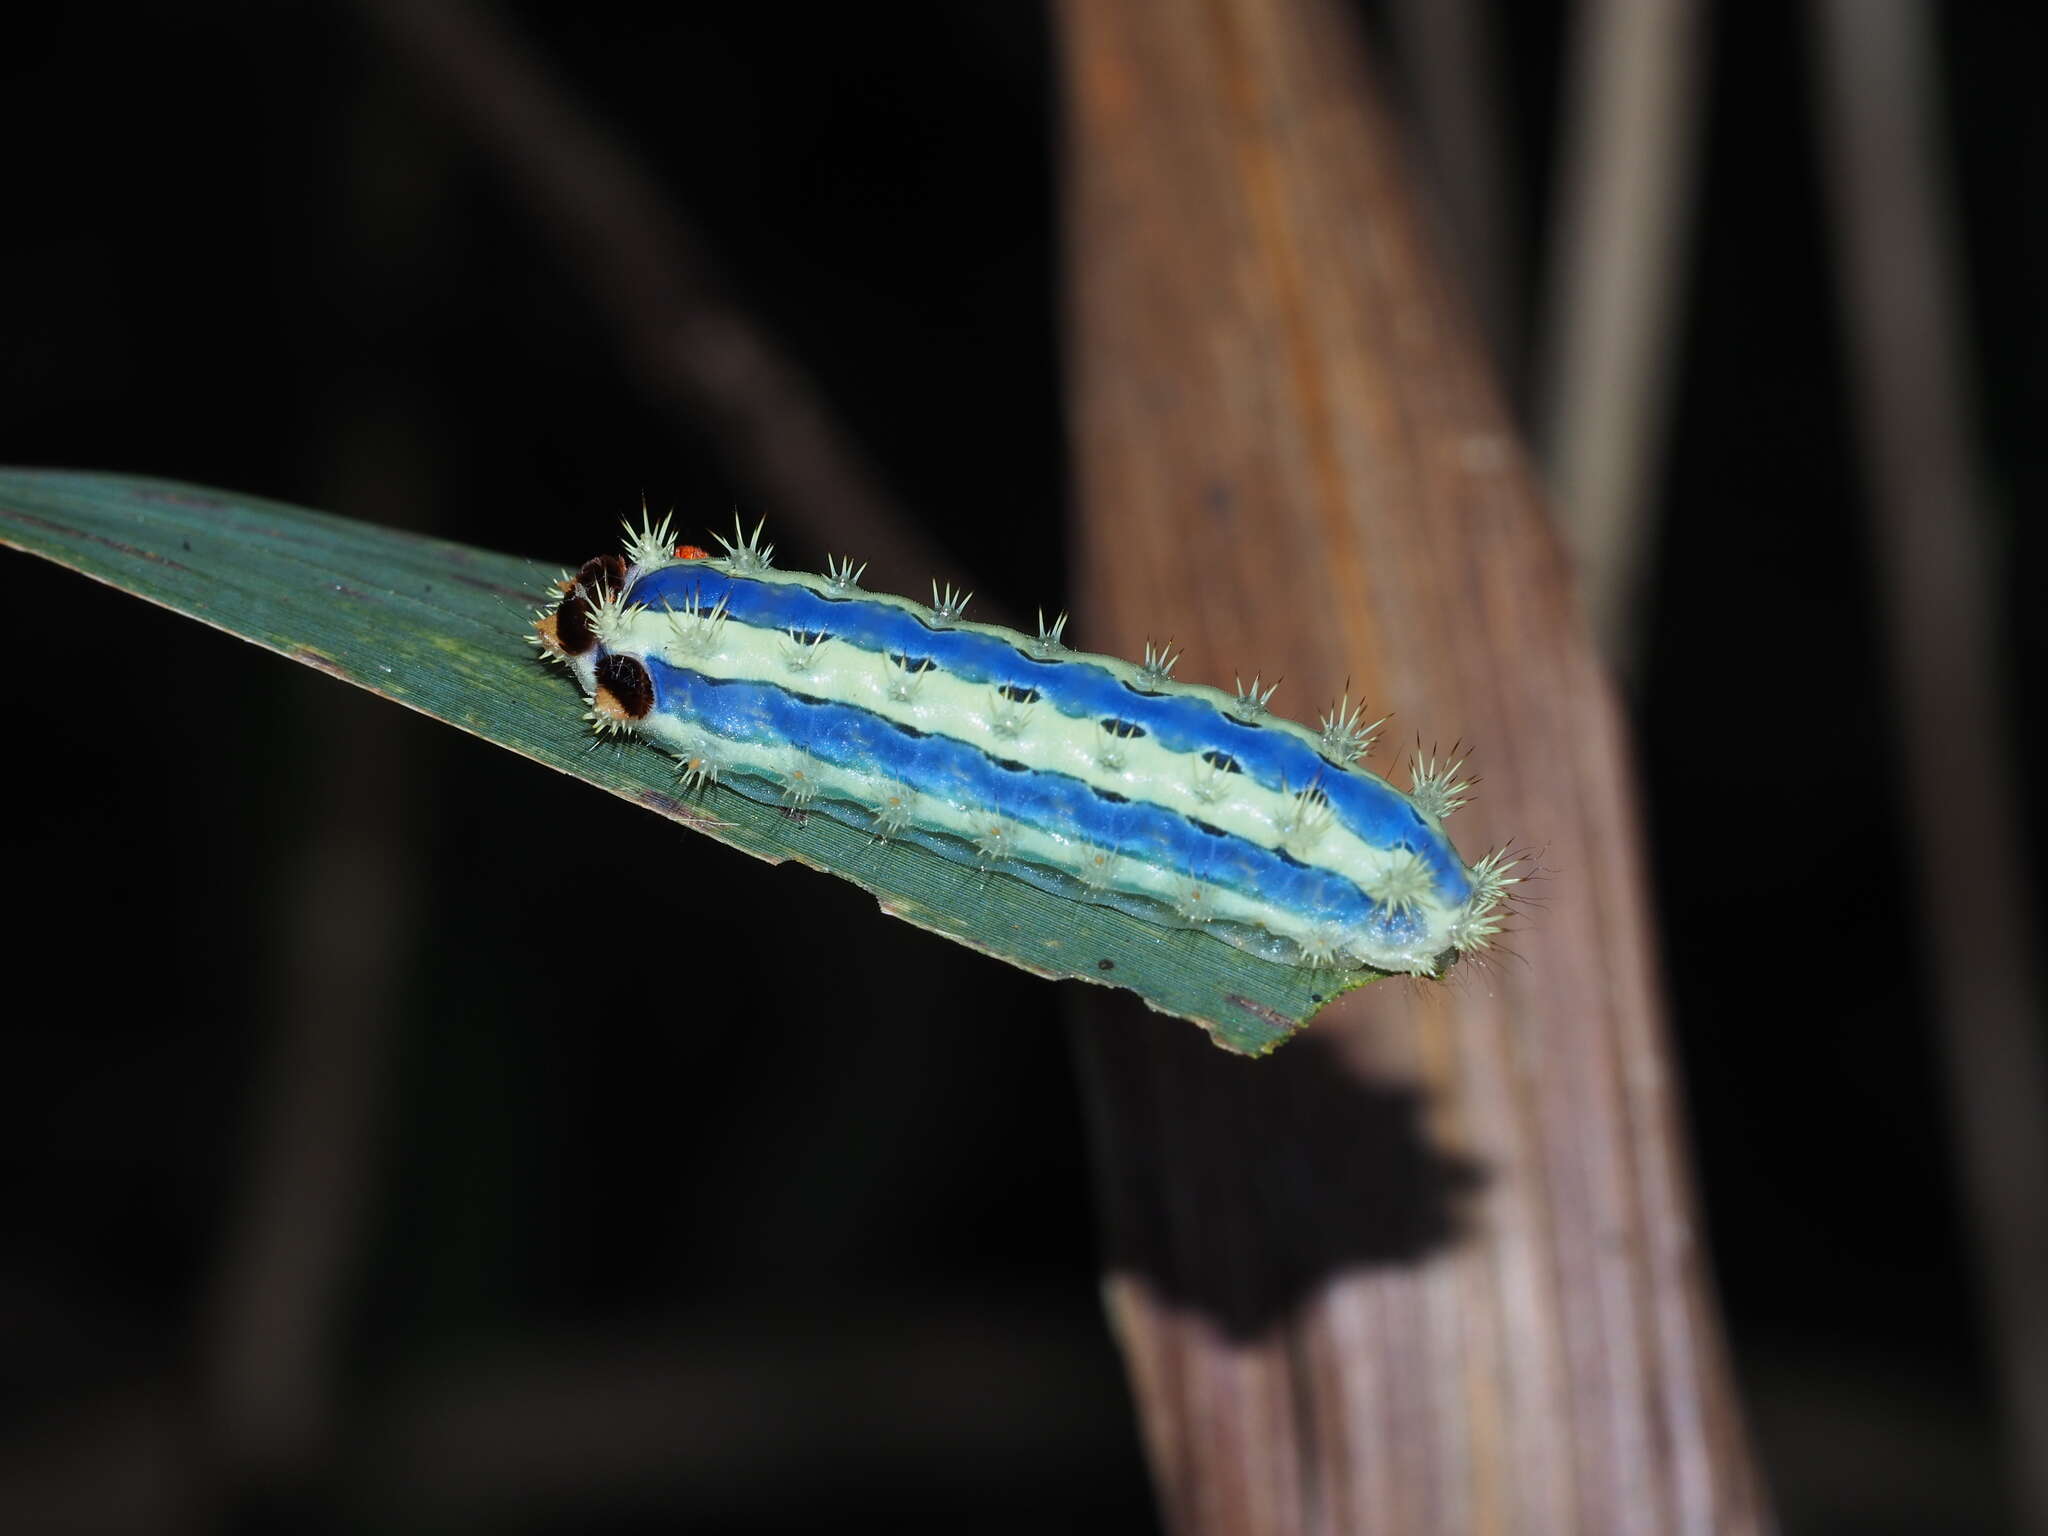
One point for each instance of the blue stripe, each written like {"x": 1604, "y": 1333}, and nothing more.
{"x": 1371, "y": 809}
{"x": 847, "y": 736}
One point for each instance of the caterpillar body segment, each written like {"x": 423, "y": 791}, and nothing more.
{"x": 1100, "y": 780}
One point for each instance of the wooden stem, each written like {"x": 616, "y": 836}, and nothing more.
{"x": 1435, "y": 1267}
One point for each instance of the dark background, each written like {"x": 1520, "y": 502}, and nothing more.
{"x": 770, "y": 1256}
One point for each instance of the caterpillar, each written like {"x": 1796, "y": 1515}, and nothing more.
{"x": 1098, "y": 779}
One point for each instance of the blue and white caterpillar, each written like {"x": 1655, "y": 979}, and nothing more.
{"x": 1091, "y": 777}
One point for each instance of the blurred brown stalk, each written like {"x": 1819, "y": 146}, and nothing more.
{"x": 1885, "y": 153}
{"x": 1291, "y": 454}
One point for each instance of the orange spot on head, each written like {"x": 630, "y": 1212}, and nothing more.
{"x": 691, "y": 552}
{"x": 607, "y": 704}
{"x": 549, "y": 637}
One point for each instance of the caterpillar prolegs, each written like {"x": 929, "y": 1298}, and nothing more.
{"x": 1095, "y": 778}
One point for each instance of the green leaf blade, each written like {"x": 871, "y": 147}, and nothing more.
{"x": 440, "y": 628}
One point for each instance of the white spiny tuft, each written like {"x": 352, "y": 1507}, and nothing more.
{"x": 800, "y": 650}
{"x": 607, "y": 725}
{"x": 800, "y": 784}
{"x": 1253, "y": 702}
{"x": 701, "y": 760}
{"x": 1196, "y": 902}
{"x": 895, "y": 810}
{"x": 1435, "y": 786}
{"x": 697, "y": 630}
{"x": 609, "y": 613}
{"x": 1159, "y": 662}
{"x": 1304, "y": 819}
{"x": 1110, "y": 753}
{"x": 1402, "y": 883}
{"x": 1492, "y": 876}
{"x": 1008, "y": 716}
{"x": 652, "y": 545}
{"x": 1487, "y": 910}
{"x": 1346, "y": 735}
{"x": 1207, "y": 782}
{"x": 844, "y": 576}
{"x": 1473, "y": 929}
{"x": 1098, "y": 867}
{"x": 996, "y": 839}
{"x": 1320, "y": 945}
{"x": 949, "y": 605}
{"x": 902, "y": 679}
{"x": 745, "y": 552}
{"x": 1049, "y": 639}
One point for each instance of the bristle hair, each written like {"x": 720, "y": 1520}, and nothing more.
{"x": 1434, "y": 785}
{"x": 1346, "y": 736}
{"x": 744, "y": 551}
{"x": 649, "y": 545}
{"x": 1160, "y": 660}
{"x": 1253, "y": 703}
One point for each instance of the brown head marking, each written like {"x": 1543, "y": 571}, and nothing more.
{"x": 573, "y": 634}
{"x": 624, "y": 690}
{"x": 601, "y": 574}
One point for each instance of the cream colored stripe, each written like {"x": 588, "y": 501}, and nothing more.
{"x": 801, "y": 773}
{"x": 1116, "y": 666}
{"x": 1036, "y": 735}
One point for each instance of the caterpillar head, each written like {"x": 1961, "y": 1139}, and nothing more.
{"x": 572, "y": 632}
